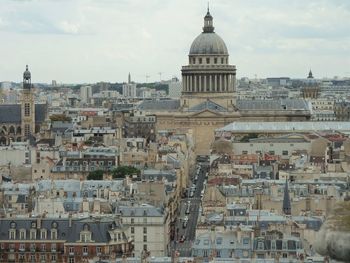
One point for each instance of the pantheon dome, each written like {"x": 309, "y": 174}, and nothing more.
{"x": 208, "y": 72}
{"x": 208, "y": 42}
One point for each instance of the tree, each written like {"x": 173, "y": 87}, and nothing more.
{"x": 122, "y": 171}
{"x": 95, "y": 175}
{"x": 60, "y": 117}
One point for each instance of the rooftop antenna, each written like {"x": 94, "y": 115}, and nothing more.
{"x": 147, "y": 77}
{"x": 160, "y": 76}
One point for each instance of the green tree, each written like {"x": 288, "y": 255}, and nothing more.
{"x": 122, "y": 171}
{"x": 60, "y": 117}
{"x": 95, "y": 175}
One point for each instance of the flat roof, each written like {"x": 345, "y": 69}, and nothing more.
{"x": 286, "y": 126}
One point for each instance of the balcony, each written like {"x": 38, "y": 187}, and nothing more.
{"x": 53, "y": 250}
{"x": 85, "y": 254}
{"x": 71, "y": 253}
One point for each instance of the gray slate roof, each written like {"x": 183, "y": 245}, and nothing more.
{"x": 143, "y": 210}
{"x": 98, "y": 228}
{"x": 281, "y": 104}
{"x": 11, "y": 113}
{"x": 159, "y": 105}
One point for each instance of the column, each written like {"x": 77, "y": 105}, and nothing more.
{"x": 215, "y": 82}
{"x": 211, "y": 83}
{"x": 191, "y": 83}
{"x": 220, "y": 82}
{"x": 225, "y": 83}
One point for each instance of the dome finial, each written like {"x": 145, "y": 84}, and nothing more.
{"x": 310, "y": 75}
{"x": 208, "y": 22}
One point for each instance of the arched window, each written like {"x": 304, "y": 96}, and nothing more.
{"x": 12, "y": 130}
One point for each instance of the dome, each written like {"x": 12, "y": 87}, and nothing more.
{"x": 208, "y": 44}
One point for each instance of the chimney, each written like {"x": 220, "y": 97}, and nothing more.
{"x": 70, "y": 220}
{"x": 38, "y": 222}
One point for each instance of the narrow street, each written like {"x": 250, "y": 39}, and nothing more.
{"x": 189, "y": 231}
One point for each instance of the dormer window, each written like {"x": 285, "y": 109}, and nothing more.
{"x": 53, "y": 233}
{"x": 33, "y": 234}
{"x": 43, "y": 234}
{"x": 22, "y": 234}
{"x": 12, "y": 234}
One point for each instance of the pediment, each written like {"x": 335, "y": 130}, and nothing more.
{"x": 206, "y": 113}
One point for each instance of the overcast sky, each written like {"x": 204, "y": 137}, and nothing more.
{"x": 81, "y": 41}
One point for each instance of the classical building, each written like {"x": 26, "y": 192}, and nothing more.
{"x": 208, "y": 95}
{"x": 20, "y": 121}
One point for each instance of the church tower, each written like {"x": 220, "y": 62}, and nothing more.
{"x": 27, "y": 106}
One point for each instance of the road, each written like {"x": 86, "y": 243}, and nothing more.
{"x": 190, "y": 230}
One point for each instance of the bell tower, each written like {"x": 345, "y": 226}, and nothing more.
{"x": 27, "y": 105}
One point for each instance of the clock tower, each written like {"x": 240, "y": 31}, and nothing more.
{"x": 27, "y": 106}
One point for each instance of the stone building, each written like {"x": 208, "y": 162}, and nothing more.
{"x": 61, "y": 239}
{"x": 20, "y": 121}
{"x": 208, "y": 95}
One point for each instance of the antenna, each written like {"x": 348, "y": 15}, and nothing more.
{"x": 147, "y": 77}
{"x": 160, "y": 76}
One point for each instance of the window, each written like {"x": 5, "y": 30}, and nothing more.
{"x": 205, "y": 253}
{"x": 200, "y": 60}
{"x": 244, "y": 152}
{"x": 54, "y": 234}
{"x": 284, "y": 152}
{"x": 26, "y": 129}
{"x": 53, "y": 257}
{"x": 272, "y": 152}
{"x": 22, "y": 247}
{"x": 98, "y": 250}
{"x": 144, "y": 238}
{"x": 43, "y": 234}
{"x": 145, "y": 247}
{"x": 71, "y": 249}
{"x": 145, "y": 230}
{"x": 43, "y": 247}
{"x": 132, "y": 220}
{"x": 42, "y": 257}
{"x": 222, "y": 60}
{"x": 26, "y": 109}
{"x": 85, "y": 250}
{"x": 219, "y": 241}
{"x": 218, "y": 254}
{"x": 245, "y": 241}
{"x": 22, "y": 234}
{"x": 132, "y": 230}
{"x": 71, "y": 260}
{"x": 215, "y": 60}
{"x": 208, "y": 60}
{"x": 53, "y": 247}
{"x": 12, "y": 234}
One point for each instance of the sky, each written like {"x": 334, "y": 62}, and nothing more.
{"x": 86, "y": 41}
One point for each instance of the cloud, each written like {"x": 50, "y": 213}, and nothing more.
{"x": 92, "y": 40}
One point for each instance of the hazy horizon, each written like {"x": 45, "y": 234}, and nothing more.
{"x": 88, "y": 41}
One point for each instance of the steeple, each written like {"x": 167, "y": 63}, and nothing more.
{"x": 129, "y": 78}
{"x": 287, "y": 209}
{"x": 310, "y": 75}
{"x": 27, "y": 79}
{"x": 208, "y": 22}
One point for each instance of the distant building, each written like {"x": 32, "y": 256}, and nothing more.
{"x": 85, "y": 93}
{"x": 129, "y": 89}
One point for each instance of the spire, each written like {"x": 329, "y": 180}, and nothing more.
{"x": 310, "y": 75}
{"x": 286, "y": 200}
{"x": 129, "y": 78}
{"x": 27, "y": 79}
{"x": 208, "y": 22}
